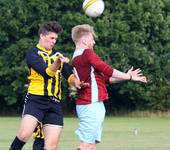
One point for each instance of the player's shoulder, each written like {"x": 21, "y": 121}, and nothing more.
{"x": 33, "y": 50}
{"x": 83, "y": 53}
{"x": 88, "y": 52}
{"x": 56, "y": 52}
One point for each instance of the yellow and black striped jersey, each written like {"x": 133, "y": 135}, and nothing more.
{"x": 42, "y": 80}
{"x": 38, "y": 132}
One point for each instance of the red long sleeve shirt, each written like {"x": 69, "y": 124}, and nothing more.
{"x": 93, "y": 70}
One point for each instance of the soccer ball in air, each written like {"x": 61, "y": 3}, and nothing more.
{"x": 93, "y": 8}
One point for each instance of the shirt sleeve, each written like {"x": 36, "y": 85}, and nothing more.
{"x": 34, "y": 61}
{"x": 106, "y": 79}
{"x": 93, "y": 59}
{"x": 67, "y": 70}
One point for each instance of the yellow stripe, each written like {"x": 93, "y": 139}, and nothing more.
{"x": 36, "y": 85}
{"x": 41, "y": 48}
{"x": 49, "y": 86}
{"x": 57, "y": 84}
{"x": 50, "y": 73}
{"x": 88, "y": 4}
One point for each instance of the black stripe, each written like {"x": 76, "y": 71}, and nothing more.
{"x": 53, "y": 85}
{"x": 52, "y": 61}
{"x": 46, "y": 81}
{"x": 45, "y": 87}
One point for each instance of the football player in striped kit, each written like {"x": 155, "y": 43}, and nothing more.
{"x": 47, "y": 67}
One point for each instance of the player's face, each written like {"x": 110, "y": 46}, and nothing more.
{"x": 90, "y": 41}
{"x": 48, "y": 40}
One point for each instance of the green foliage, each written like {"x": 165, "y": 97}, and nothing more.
{"x": 130, "y": 33}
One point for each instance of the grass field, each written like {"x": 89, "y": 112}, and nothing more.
{"x": 119, "y": 133}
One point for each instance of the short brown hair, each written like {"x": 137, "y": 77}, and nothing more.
{"x": 81, "y": 30}
{"x": 51, "y": 26}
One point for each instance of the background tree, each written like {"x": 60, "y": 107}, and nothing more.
{"x": 130, "y": 32}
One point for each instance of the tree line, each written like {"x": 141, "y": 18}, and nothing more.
{"x": 130, "y": 33}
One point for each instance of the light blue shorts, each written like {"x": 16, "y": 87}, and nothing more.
{"x": 91, "y": 119}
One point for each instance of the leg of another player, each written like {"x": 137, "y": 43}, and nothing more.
{"x": 52, "y": 134}
{"x": 38, "y": 144}
{"x": 93, "y": 146}
{"x": 86, "y": 146}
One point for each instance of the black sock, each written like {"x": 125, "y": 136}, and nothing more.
{"x": 38, "y": 144}
{"x": 17, "y": 144}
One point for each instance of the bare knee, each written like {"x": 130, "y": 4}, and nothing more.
{"x": 50, "y": 147}
{"x": 23, "y": 136}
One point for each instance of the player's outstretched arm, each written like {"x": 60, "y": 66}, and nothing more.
{"x": 113, "y": 80}
{"x": 133, "y": 75}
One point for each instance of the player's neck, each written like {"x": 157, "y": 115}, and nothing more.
{"x": 80, "y": 47}
{"x": 43, "y": 46}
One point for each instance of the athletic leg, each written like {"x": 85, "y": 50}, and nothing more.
{"x": 90, "y": 127}
{"x": 93, "y": 146}
{"x": 27, "y": 126}
{"x": 38, "y": 135}
{"x": 52, "y": 134}
{"x": 86, "y": 146}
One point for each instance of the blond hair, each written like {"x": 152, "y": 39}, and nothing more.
{"x": 81, "y": 30}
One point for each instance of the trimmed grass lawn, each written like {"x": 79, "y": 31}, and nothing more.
{"x": 120, "y": 133}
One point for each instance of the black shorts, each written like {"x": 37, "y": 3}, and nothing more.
{"x": 46, "y": 110}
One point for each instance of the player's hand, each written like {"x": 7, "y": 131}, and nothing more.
{"x": 136, "y": 75}
{"x": 62, "y": 59}
{"x": 135, "y": 72}
{"x": 84, "y": 84}
{"x": 80, "y": 84}
{"x": 142, "y": 79}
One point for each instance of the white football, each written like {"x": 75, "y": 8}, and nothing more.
{"x": 93, "y": 8}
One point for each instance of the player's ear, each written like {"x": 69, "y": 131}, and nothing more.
{"x": 84, "y": 41}
{"x": 41, "y": 36}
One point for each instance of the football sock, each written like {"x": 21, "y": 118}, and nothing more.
{"x": 38, "y": 144}
{"x": 17, "y": 144}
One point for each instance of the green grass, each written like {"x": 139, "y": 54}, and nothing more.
{"x": 118, "y": 134}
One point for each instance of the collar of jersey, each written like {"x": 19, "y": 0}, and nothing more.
{"x": 78, "y": 53}
{"x": 43, "y": 49}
